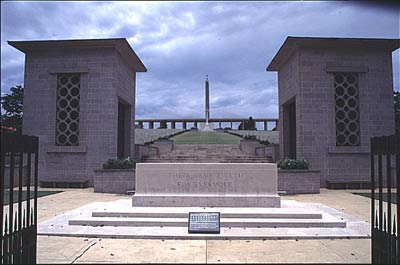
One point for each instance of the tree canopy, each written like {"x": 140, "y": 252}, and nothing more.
{"x": 12, "y": 104}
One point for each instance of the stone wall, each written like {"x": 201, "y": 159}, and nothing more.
{"x": 306, "y": 78}
{"x": 270, "y": 136}
{"x": 114, "y": 180}
{"x": 104, "y": 79}
{"x": 298, "y": 181}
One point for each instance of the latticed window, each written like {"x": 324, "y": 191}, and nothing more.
{"x": 347, "y": 109}
{"x": 67, "y": 127}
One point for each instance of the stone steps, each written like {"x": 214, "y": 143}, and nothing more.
{"x": 230, "y": 217}
{"x": 207, "y": 153}
{"x": 224, "y": 222}
{"x": 237, "y": 222}
{"x": 183, "y": 212}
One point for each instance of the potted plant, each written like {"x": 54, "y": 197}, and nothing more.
{"x": 293, "y": 164}
{"x": 116, "y": 176}
{"x": 295, "y": 176}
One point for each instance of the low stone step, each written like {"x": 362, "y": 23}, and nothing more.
{"x": 225, "y": 222}
{"x": 160, "y": 213}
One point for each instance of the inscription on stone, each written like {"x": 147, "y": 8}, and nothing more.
{"x": 206, "y": 222}
{"x": 222, "y": 180}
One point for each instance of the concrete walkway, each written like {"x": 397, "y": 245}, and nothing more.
{"x": 53, "y": 249}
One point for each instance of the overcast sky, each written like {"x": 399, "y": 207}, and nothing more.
{"x": 181, "y": 42}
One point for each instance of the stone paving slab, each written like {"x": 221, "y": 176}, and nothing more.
{"x": 59, "y": 249}
{"x": 59, "y": 226}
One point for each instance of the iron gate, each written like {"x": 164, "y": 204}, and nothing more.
{"x": 19, "y": 169}
{"x": 385, "y": 223}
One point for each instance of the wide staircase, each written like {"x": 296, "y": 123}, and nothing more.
{"x": 206, "y": 153}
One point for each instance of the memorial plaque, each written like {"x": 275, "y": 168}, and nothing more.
{"x": 204, "y": 222}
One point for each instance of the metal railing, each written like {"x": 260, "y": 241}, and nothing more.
{"x": 18, "y": 223}
{"x": 385, "y": 224}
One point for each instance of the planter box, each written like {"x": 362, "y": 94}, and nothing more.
{"x": 114, "y": 180}
{"x": 249, "y": 146}
{"x": 164, "y": 146}
{"x": 298, "y": 181}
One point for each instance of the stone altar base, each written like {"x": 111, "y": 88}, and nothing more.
{"x": 206, "y": 185}
{"x": 118, "y": 219}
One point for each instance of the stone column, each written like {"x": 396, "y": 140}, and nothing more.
{"x": 184, "y": 125}
{"x": 151, "y": 125}
{"x": 172, "y": 125}
{"x": 195, "y": 124}
{"x": 265, "y": 126}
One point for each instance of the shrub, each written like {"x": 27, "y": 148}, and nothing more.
{"x": 163, "y": 125}
{"x": 117, "y": 163}
{"x": 288, "y": 163}
{"x": 248, "y": 125}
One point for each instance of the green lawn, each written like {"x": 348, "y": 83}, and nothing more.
{"x": 24, "y": 194}
{"x": 384, "y": 196}
{"x": 205, "y": 138}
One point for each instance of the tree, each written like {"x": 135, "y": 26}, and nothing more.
{"x": 163, "y": 125}
{"x": 12, "y": 105}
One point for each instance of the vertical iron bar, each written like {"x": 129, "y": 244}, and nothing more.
{"x": 397, "y": 154}
{"x": 2, "y": 172}
{"x": 373, "y": 147}
{"x": 28, "y": 188}
{"x": 380, "y": 189}
{"x": 20, "y": 179}
{"x": 15, "y": 241}
{"x": 5, "y": 245}
{"x": 389, "y": 196}
{"x": 36, "y": 181}
{"x": 24, "y": 238}
{"x": 11, "y": 203}
{"x": 35, "y": 198}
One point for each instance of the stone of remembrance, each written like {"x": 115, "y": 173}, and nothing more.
{"x": 206, "y": 185}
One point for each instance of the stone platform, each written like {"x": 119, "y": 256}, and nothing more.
{"x": 119, "y": 219}
{"x": 206, "y": 185}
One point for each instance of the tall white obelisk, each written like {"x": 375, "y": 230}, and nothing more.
{"x": 207, "y": 100}
{"x": 207, "y": 126}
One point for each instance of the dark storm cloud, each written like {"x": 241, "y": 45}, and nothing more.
{"x": 181, "y": 42}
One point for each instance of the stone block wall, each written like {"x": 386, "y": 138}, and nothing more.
{"x": 114, "y": 180}
{"x": 143, "y": 136}
{"x": 104, "y": 78}
{"x": 270, "y": 136}
{"x": 298, "y": 181}
{"x": 308, "y": 77}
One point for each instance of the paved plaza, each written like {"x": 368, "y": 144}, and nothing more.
{"x": 100, "y": 250}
